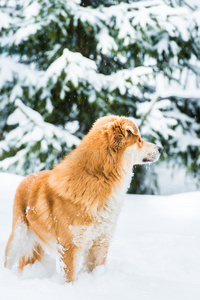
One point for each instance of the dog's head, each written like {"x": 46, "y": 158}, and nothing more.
{"x": 123, "y": 136}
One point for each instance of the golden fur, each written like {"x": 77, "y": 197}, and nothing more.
{"x": 75, "y": 205}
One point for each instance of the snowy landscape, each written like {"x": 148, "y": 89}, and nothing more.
{"x": 154, "y": 254}
{"x": 64, "y": 64}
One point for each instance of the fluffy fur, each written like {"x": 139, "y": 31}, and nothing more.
{"x": 74, "y": 207}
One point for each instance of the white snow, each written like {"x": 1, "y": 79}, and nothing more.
{"x": 154, "y": 255}
{"x": 173, "y": 178}
{"x": 106, "y": 42}
{"x": 5, "y": 20}
{"x": 10, "y": 68}
{"x": 32, "y": 129}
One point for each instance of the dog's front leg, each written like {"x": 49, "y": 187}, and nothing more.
{"x": 69, "y": 256}
{"x": 97, "y": 254}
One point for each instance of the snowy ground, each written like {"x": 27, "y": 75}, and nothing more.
{"x": 154, "y": 255}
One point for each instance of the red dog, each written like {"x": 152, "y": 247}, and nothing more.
{"x": 74, "y": 208}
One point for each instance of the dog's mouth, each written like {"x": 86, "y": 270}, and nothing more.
{"x": 147, "y": 160}
{"x": 152, "y": 156}
{"x": 151, "y": 159}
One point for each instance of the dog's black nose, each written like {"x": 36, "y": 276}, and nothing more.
{"x": 159, "y": 149}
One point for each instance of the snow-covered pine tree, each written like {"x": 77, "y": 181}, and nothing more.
{"x": 39, "y": 142}
{"x": 73, "y": 61}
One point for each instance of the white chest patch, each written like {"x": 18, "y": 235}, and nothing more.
{"x": 106, "y": 218}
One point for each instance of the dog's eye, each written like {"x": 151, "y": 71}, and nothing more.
{"x": 139, "y": 140}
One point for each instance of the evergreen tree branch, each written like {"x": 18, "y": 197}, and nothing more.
{"x": 192, "y": 67}
{"x": 153, "y": 102}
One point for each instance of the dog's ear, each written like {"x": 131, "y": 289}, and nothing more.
{"x": 128, "y": 129}
{"x": 117, "y": 134}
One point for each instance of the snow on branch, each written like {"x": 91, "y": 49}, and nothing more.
{"x": 81, "y": 72}
{"x": 34, "y": 139}
{"x": 39, "y": 129}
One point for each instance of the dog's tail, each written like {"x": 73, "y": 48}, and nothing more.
{"x": 22, "y": 240}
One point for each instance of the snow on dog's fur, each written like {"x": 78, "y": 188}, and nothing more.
{"x": 75, "y": 206}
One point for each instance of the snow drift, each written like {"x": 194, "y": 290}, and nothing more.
{"x": 154, "y": 255}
